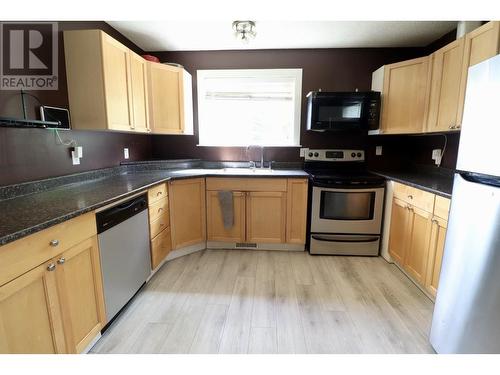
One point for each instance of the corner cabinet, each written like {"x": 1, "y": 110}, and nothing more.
{"x": 51, "y": 295}
{"x": 187, "y": 212}
{"x": 405, "y": 91}
{"x": 170, "y": 93}
{"x": 112, "y": 88}
{"x": 417, "y": 234}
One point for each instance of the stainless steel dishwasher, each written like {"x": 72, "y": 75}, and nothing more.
{"x": 123, "y": 234}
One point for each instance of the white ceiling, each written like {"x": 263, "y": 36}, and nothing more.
{"x": 218, "y": 35}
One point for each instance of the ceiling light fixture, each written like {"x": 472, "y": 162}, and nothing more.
{"x": 244, "y": 30}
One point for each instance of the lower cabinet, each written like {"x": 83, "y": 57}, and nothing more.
{"x": 187, "y": 212}
{"x": 271, "y": 211}
{"x": 57, "y": 307}
{"x": 215, "y": 221}
{"x": 159, "y": 224}
{"x": 266, "y": 217}
{"x": 436, "y": 250}
{"x": 417, "y": 235}
{"x": 78, "y": 273}
{"x": 30, "y": 314}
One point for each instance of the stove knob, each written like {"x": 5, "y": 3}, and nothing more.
{"x": 316, "y": 154}
{"x": 353, "y": 154}
{"x": 310, "y": 154}
{"x": 359, "y": 154}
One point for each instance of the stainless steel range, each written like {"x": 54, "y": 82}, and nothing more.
{"x": 346, "y": 203}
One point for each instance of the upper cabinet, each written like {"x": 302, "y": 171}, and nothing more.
{"x": 112, "y": 88}
{"x": 405, "y": 88}
{"x": 427, "y": 94}
{"x": 171, "y": 105}
{"x": 445, "y": 87}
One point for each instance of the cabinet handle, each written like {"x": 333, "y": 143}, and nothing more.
{"x": 410, "y": 196}
{"x": 61, "y": 260}
{"x": 159, "y": 193}
{"x": 51, "y": 267}
{"x": 435, "y": 221}
{"x": 54, "y": 243}
{"x": 451, "y": 127}
{"x": 160, "y": 209}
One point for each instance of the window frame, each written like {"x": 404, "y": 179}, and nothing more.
{"x": 295, "y": 73}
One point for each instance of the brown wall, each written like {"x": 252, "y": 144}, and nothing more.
{"x": 329, "y": 69}
{"x": 29, "y": 154}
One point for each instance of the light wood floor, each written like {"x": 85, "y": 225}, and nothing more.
{"x": 238, "y": 301}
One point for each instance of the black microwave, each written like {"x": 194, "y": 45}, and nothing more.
{"x": 343, "y": 111}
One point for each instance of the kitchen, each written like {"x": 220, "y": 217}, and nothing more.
{"x": 233, "y": 193}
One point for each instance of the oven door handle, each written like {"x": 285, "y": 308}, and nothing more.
{"x": 329, "y": 238}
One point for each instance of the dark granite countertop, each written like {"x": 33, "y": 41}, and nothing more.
{"x": 26, "y": 214}
{"x": 437, "y": 181}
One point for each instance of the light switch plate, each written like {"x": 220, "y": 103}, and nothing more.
{"x": 74, "y": 157}
{"x": 303, "y": 152}
{"x": 436, "y": 156}
{"x": 125, "y": 153}
{"x": 378, "y": 150}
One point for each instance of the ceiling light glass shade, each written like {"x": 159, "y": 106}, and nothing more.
{"x": 244, "y": 30}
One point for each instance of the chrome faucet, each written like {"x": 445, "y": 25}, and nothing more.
{"x": 253, "y": 163}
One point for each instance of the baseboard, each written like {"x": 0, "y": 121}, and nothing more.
{"x": 177, "y": 253}
{"x": 91, "y": 344}
{"x": 417, "y": 284}
{"x": 259, "y": 246}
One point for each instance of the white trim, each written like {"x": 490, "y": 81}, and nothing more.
{"x": 91, "y": 344}
{"x": 296, "y": 74}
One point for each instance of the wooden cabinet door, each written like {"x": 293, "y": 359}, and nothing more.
{"x": 30, "y": 316}
{"x": 160, "y": 247}
{"x": 187, "y": 212}
{"x": 266, "y": 217}
{"x": 436, "y": 250}
{"x": 138, "y": 82}
{"x": 296, "y": 211}
{"x": 117, "y": 87}
{"x": 166, "y": 98}
{"x": 445, "y": 87}
{"x": 480, "y": 44}
{"x": 405, "y": 96}
{"x": 215, "y": 222}
{"x": 80, "y": 284}
{"x": 419, "y": 230}
{"x": 398, "y": 237}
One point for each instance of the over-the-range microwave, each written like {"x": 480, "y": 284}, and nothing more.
{"x": 343, "y": 111}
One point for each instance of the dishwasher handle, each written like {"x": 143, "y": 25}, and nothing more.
{"x": 117, "y": 214}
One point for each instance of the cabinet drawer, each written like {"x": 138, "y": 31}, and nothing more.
{"x": 157, "y": 192}
{"x": 160, "y": 247}
{"x": 416, "y": 197}
{"x": 442, "y": 207}
{"x": 247, "y": 184}
{"x": 157, "y": 209}
{"x": 26, "y": 253}
{"x": 159, "y": 224}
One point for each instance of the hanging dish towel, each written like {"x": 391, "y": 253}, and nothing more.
{"x": 226, "y": 206}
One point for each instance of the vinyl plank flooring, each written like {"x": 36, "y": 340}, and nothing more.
{"x": 244, "y": 301}
{"x": 208, "y": 337}
{"x": 236, "y": 335}
{"x": 263, "y": 341}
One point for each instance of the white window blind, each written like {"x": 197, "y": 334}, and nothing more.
{"x": 249, "y": 107}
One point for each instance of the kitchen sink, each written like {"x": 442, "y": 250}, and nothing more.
{"x": 248, "y": 170}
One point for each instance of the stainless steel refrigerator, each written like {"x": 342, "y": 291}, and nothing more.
{"x": 467, "y": 311}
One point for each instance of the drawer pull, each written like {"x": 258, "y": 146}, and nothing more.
{"x": 54, "y": 243}
{"x": 410, "y": 196}
{"x": 61, "y": 260}
{"x": 51, "y": 267}
{"x": 160, "y": 209}
{"x": 159, "y": 193}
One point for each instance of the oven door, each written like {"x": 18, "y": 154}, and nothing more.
{"x": 347, "y": 210}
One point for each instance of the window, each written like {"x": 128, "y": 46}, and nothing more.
{"x": 249, "y": 107}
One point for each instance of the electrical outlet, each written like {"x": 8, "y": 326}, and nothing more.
{"x": 125, "y": 153}
{"x": 303, "y": 152}
{"x": 74, "y": 157}
{"x": 436, "y": 156}
{"x": 378, "y": 150}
